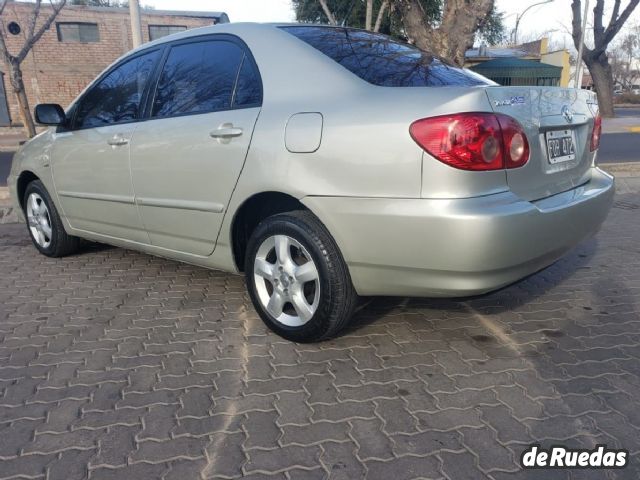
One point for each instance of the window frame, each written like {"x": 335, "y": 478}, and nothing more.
{"x": 247, "y": 55}
{"x": 145, "y": 92}
{"x": 59, "y": 34}
{"x": 183, "y": 27}
{"x": 149, "y": 92}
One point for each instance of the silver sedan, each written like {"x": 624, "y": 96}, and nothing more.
{"x": 324, "y": 163}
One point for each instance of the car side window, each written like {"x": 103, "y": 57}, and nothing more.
{"x": 197, "y": 78}
{"x": 248, "y": 88}
{"x": 117, "y": 97}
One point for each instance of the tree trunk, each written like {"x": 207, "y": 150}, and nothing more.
{"x": 414, "y": 21}
{"x": 369, "y": 16}
{"x": 602, "y": 76}
{"x": 455, "y": 34}
{"x": 380, "y": 17}
{"x": 23, "y": 102}
{"x": 325, "y": 8}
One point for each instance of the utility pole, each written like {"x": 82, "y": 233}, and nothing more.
{"x": 136, "y": 26}
{"x": 578, "y": 83}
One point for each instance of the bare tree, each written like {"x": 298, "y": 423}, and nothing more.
{"x": 327, "y": 12}
{"x": 596, "y": 58}
{"x": 13, "y": 62}
{"x": 369, "y": 25}
{"x": 622, "y": 60}
{"x": 381, "y": 12}
{"x": 461, "y": 19}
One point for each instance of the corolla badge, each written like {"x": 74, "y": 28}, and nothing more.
{"x": 567, "y": 113}
{"x": 515, "y": 100}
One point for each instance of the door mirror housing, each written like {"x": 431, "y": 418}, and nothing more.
{"x": 50, "y": 114}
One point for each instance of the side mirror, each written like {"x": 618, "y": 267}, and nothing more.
{"x": 50, "y": 114}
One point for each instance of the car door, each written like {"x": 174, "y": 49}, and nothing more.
{"x": 186, "y": 158}
{"x": 90, "y": 160}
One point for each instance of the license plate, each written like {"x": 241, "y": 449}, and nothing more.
{"x": 560, "y": 146}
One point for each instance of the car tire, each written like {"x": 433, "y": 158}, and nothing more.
{"x": 44, "y": 224}
{"x": 315, "y": 306}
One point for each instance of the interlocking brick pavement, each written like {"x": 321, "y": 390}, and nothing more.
{"x": 115, "y": 364}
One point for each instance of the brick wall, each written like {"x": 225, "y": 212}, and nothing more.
{"x": 56, "y": 72}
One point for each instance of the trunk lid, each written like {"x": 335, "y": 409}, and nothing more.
{"x": 550, "y": 117}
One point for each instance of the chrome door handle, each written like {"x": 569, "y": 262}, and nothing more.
{"x": 226, "y": 131}
{"x": 117, "y": 141}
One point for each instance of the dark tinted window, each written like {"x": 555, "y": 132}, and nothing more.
{"x": 197, "y": 78}
{"x": 78, "y": 32}
{"x": 248, "y": 88}
{"x": 117, "y": 97}
{"x": 383, "y": 61}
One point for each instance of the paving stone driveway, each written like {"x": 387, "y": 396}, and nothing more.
{"x": 115, "y": 364}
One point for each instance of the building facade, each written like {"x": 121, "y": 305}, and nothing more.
{"x": 529, "y": 63}
{"x": 81, "y": 42}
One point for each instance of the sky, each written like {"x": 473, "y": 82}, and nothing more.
{"x": 238, "y": 10}
{"x": 552, "y": 19}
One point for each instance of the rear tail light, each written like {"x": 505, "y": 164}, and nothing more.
{"x": 473, "y": 141}
{"x": 596, "y": 134}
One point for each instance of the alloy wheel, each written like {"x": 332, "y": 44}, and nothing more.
{"x": 39, "y": 220}
{"x": 287, "y": 280}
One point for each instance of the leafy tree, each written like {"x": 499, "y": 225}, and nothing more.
{"x": 596, "y": 58}
{"x": 399, "y": 18}
{"x": 621, "y": 58}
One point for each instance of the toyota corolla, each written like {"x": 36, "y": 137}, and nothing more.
{"x": 324, "y": 163}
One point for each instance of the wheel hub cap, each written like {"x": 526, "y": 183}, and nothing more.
{"x": 39, "y": 220}
{"x": 287, "y": 280}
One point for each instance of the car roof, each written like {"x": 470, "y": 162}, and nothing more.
{"x": 238, "y": 28}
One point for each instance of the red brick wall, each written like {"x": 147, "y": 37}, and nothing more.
{"x": 56, "y": 72}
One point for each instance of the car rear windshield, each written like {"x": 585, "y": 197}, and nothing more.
{"x": 383, "y": 61}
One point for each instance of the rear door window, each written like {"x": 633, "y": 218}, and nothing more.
{"x": 198, "y": 77}
{"x": 383, "y": 61}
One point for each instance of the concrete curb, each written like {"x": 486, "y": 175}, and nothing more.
{"x": 622, "y": 170}
{"x": 7, "y": 213}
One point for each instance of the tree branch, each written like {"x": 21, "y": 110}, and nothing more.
{"x": 327, "y": 12}
{"x": 598, "y": 28}
{"x": 4, "y": 51}
{"x": 383, "y": 7}
{"x": 615, "y": 26}
{"x": 615, "y": 12}
{"x": 32, "y": 40}
{"x": 576, "y": 28}
{"x": 3, "y": 3}
{"x": 32, "y": 22}
{"x": 368, "y": 22}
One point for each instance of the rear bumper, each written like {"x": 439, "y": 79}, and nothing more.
{"x": 458, "y": 247}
